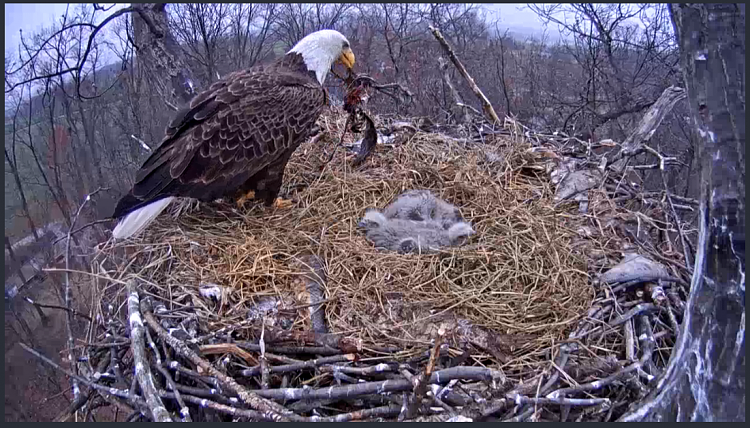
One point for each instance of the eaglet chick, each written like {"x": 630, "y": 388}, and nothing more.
{"x": 412, "y": 236}
{"x": 422, "y": 205}
{"x": 416, "y": 221}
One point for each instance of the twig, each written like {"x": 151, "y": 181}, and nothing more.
{"x": 75, "y": 312}
{"x": 85, "y": 226}
{"x": 637, "y": 310}
{"x": 683, "y": 241}
{"x": 184, "y": 410}
{"x": 264, "y": 373}
{"x": 522, "y": 399}
{"x": 647, "y": 344}
{"x": 122, "y": 393}
{"x": 142, "y": 369}
{"x": 299, "y": 366}
{"x": 68, "y": 297}
{"x": 420, "y": 383}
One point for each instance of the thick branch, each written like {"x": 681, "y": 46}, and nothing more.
{"x": 633, "y": 145}
{"x": 486, "y": 105}
{"x": 159, "y": 413}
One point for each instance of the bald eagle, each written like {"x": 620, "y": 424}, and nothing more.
{"x": 235, "y": 139}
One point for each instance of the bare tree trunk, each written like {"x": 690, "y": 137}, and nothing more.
{"x": 22, "y": 195}
{"x": 160, "y": 55}
{"x": 13, "y": 163}
{"x": 705, "y": 378}
{"x": 59, "y": 199}
{"x": 501, "y": 72}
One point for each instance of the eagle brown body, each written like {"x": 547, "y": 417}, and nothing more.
{"x": 233, "y": 138}
{"x": 236, "y": 138}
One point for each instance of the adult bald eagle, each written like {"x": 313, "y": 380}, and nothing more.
{"x": 235, "y": 139}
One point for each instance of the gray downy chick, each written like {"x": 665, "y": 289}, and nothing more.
{"x": 423, "y": 205}
{"x": 411, "y": 236}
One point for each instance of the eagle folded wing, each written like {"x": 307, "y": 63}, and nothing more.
{"x": 237, "y": 128}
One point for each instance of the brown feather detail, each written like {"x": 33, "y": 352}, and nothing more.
{"x": 245, "y": 125}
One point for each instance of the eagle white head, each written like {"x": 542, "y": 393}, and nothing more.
{"x": 321, "y": 49}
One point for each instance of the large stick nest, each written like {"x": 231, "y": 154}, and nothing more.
{"x": 519, "y": 299}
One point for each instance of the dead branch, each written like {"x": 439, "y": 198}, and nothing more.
{"x": 361, "y": 371}
{"x": 647, "y": 344}
{"x": 63, "y": 308}
{"x": 633, "y": 145}
{"x": 420, "y": 382}
{"x": 302, "y": 365}
{"x": 486, "y": 105}
{"x": 466, "y": 119}
{"x": 391, "y": 385}
{"x": 104, "y": 390}
{"x": 159, "y": 413}
{"x": 68, "y": 297}
{"x": 522, "y": 399}
{"x": 637, "y": 310}
{"x": 273, "y": 410}
{"x": 264, "y": 372}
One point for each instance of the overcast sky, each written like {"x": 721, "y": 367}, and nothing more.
{"x": 33, "y": 17}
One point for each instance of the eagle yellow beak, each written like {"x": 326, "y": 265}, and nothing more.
{"x": 347, "y": 58}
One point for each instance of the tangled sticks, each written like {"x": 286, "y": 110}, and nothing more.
{"x": 417, "y": 221}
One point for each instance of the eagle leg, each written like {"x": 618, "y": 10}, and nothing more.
{"x": 242, "y": 200}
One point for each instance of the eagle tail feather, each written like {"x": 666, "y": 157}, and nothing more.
{"x": 137, "y": 220}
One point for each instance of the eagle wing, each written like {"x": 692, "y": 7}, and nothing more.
{"x": 249, "y": 121}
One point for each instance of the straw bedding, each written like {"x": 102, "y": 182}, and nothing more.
{"x": 518, "y": 276}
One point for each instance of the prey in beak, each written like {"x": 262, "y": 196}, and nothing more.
{"x": 347, "y": 58}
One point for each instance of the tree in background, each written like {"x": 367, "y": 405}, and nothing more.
{"x": 705, "y": 378}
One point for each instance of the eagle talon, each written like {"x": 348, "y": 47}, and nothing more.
{"x": 282, "y": 203}
{"x": 242, "y": 200}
